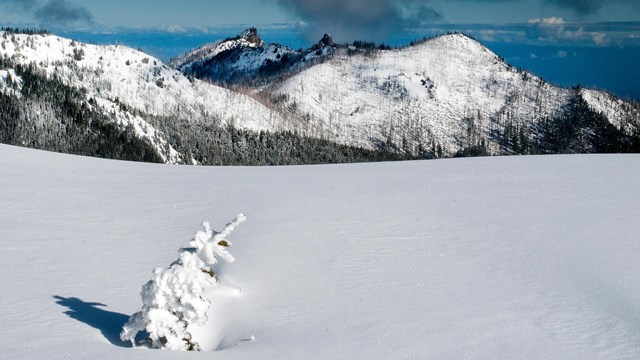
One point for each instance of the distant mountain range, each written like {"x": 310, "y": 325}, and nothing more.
{"x": 246, "y": 59}
{"x": 443, "y": 96}
{"x": 260, "y": 103}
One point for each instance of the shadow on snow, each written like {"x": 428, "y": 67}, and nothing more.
{"x": 109, "y": 323}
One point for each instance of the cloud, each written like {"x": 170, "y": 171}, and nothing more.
{"x": 587, "y": 7}
{"x": 361, "y": 19}
{"x": 555, "y": 29}
{"x": 582, "y": 7}
{"x": 19, "y": 4}
{"x": 63, "y": 12}
{"x": 547, "y": 21}
{"x": 172, "y": 28}
{"x": 52, "y": 12}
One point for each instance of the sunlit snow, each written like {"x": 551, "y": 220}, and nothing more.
{"x": 485, "y": 258}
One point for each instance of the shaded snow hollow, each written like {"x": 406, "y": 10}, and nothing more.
{"x": 485, "y": 258}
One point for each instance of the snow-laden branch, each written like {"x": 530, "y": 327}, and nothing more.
{"x": 175, "y": 298}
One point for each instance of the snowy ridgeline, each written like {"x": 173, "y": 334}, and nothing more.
{"x": 121, "y": 75}
{"x": 115, "y": 102}
{"x": 440, "y": 96}
{"x": 489, "y": 258}
{"x": 447, "y": 96}
{"x": 129, "y": 86}
{"x": 247, "y": 60}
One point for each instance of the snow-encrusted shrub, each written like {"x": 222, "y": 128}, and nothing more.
{"x": 175, "y": 297}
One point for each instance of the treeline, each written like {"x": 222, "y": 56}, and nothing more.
{"x": 27, "y": 31}
{"x": 50, "y": 115}
{"x": 582, "y": 130}
{"x": 211, "y": 144}
{"x": 577, "y": 129}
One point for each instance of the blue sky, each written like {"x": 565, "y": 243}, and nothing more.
{"x": 591, "y": 42}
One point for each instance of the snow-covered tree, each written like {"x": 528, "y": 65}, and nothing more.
{"x": 175, "y": 297}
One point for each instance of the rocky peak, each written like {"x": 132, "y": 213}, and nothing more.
{"x": 251, "y": 35}
{"x": 326, "y": 40}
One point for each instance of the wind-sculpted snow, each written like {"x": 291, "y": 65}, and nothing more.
{"x": 490, "y": 258}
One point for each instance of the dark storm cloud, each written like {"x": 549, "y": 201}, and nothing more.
{"x": 19, "y": 4}
{"x": 361, "y": 19}
{"x": 63, "y": 12}
{"x": 585, "y": 7}
{"x": 582, "y": 7}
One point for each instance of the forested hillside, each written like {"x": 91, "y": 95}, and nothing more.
{"x": 442, "y": 97}
{"x": 44, "y": 113}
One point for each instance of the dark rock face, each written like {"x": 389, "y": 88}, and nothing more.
{"x": 251, "y": 35}
{"x": 326, "y": 40}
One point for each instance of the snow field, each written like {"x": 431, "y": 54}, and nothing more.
{"x": 488, "y": 258}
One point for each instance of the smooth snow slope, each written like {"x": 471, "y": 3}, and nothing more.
{"x": 485, "y": 258}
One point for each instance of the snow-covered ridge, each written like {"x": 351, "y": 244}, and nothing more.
{"x": 247, "y": 39}
{"x": 437, "y": 96}
{"x": 620, "y": 113}
{"x": 245, "y": 55}
{"x": 122, "y": 79}
{"x": 430, "y": 93}
{"x": 421, "y": 93}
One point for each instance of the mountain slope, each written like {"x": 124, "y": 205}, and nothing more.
{"x": 130, "y": 86}
{"x": 449, "y": 92}
{"x": 247, "y": 59}
{"x": 44, "y": 113}
{"x": 439, "y": 97}
{"x": 448, "y": 96}
{"x": 113, "y": 101}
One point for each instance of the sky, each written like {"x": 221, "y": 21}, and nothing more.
{"x": 567, "y": 41}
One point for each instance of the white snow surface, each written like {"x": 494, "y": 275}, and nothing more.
{"x": 484, "y": 258}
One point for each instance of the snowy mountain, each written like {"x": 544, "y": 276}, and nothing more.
{"x": 130, "y": 87}
{"x": 246, "y": 59}
{"x": 447, "y": 96}
{"x": 449, "y": 92}
{"x": 444, "y": 96}
{"x": 486, "y": 258}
